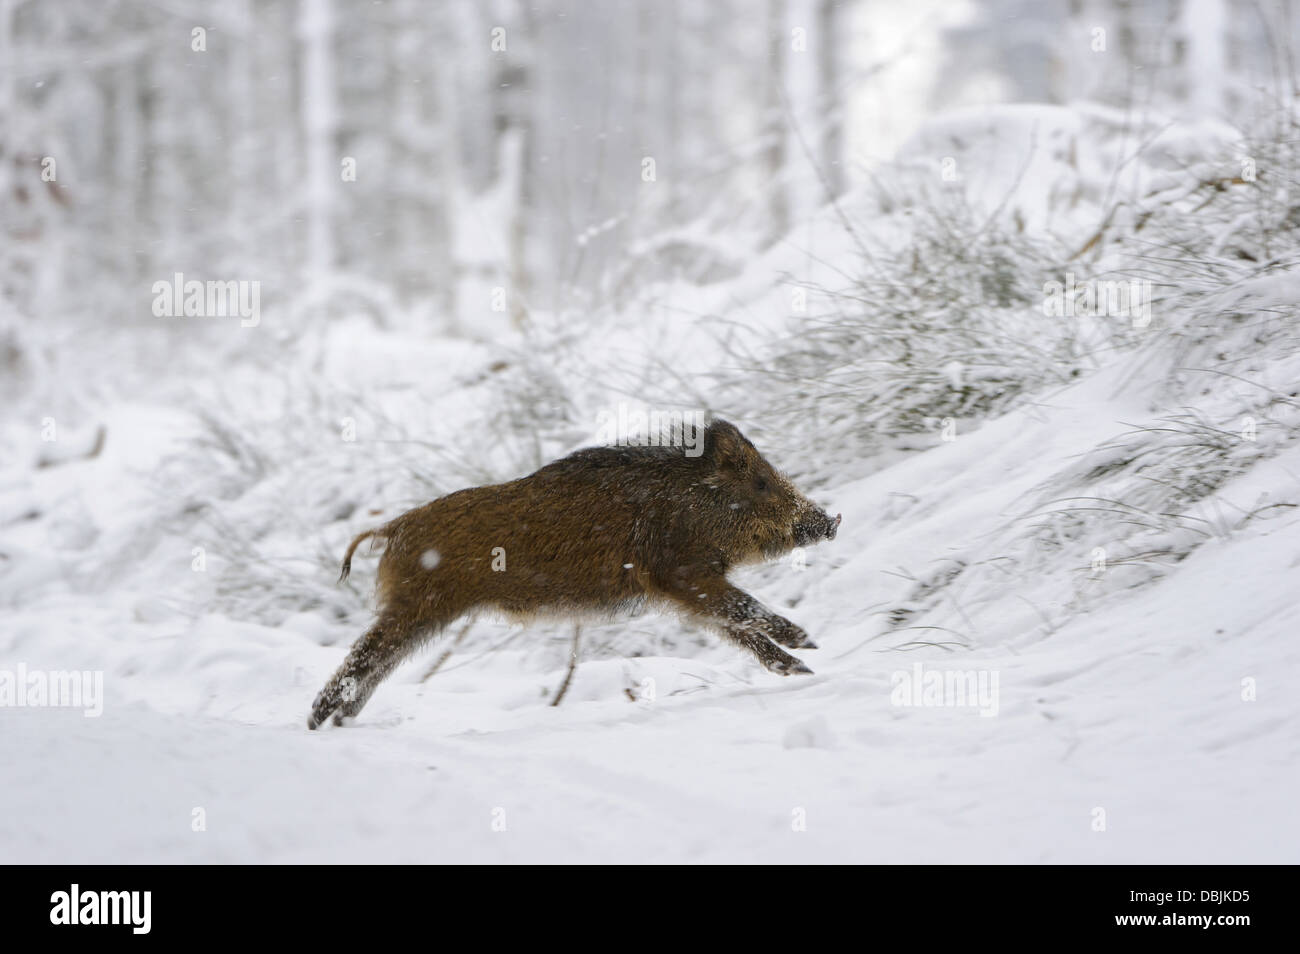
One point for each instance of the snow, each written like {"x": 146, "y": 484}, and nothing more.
{"x": 1134, "y": 708}
{"x": 1154, "y": 692}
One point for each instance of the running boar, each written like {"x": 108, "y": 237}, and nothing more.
{"x": 602, "y": 530}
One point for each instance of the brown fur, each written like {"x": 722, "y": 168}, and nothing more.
{"x": 602, "y": 530}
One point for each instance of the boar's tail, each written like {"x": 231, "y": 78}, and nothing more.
{"x": 347, "y": 557}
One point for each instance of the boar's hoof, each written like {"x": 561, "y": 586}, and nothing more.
{"x": 789, "y": 667}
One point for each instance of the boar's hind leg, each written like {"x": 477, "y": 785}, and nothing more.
{"x": 371, "y": 658}
{"x": 350, "y": 682}
{"x": 743, "y": 620}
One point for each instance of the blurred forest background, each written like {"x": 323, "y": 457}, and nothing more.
{"x": 476, "y": 226}
{"x": 410, "y": 157}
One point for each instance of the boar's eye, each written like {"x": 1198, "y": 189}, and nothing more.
{"x": 760, "y": 483}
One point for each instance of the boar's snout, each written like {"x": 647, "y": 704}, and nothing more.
{"x": 816, "y": 526}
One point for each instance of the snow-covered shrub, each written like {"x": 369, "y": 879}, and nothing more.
{"x": 938, "y": 324}
{"x": 273, "y": 489}
{"x": 1216, "y": 366}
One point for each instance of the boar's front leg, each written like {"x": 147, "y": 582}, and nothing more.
{"x": 740, "y": 617}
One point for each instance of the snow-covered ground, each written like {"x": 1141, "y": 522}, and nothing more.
{"x": 1140, "y": 704}
{"x": 1135, "y": 708}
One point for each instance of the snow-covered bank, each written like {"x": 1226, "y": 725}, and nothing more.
{"x": 1109, "y": 545}
{"x": 1135, "y": 708}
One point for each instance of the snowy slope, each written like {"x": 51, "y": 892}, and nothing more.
{"x": 1134, "y": 708}
{"x": 1144, "y": 657}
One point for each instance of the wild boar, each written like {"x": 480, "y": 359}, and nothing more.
{"x": 603, "y": 530}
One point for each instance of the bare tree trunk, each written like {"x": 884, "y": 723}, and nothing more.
{"x": 7, "y": 145}
{"x": 450, "y": 180}
{"x": 319, "y": 117}
{"x": 1204, "y": 28}
{"x": 828, "y": 61}
{"x": 406, "y": 213}
{"x": 513, "y": 126}
{"x": 774, "y": 156}
{"x": 673, "y": 103}
{"x": 277, "y": 110}
{"x": 125, "y": 157}
{"x": 240, "y": 124}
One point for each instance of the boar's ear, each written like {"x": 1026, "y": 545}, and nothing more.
{"x": 725, "y": 446}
